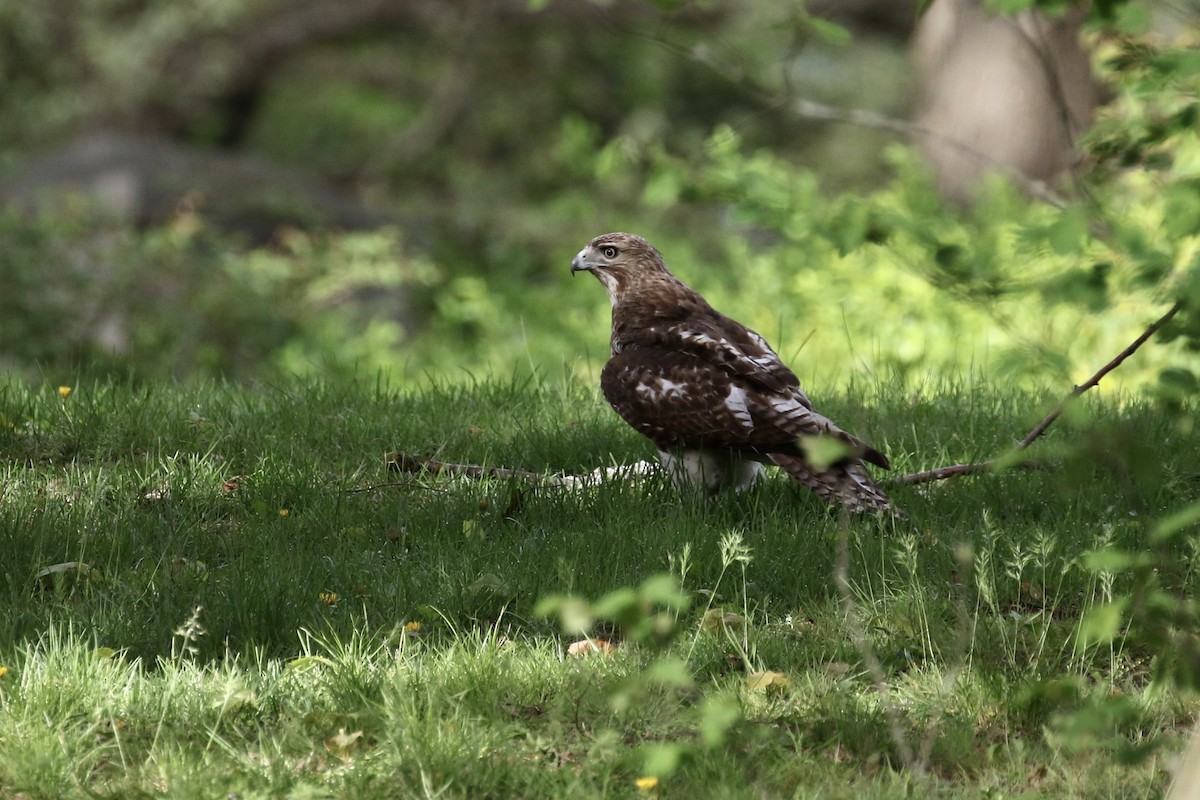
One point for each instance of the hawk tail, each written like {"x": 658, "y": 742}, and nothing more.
{"x": 848, "y": 484}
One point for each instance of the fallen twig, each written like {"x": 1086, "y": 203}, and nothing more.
{"x": 403, "y": 462}
{"x": 941, "y": 473}
{"x": 375, "y": 487}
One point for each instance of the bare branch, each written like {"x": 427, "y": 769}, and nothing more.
{"x": 941, "y": 473}
{"x": 1041, "y": 427}
{"x": 986, "y": 466}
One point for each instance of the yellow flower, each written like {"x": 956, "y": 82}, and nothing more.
{"x": 283, "y": 512}
{"x": 328, "y": 598}
{"x": 412, "y": 627}
{"x": 647, "y": 784}
{"x": 3, "y": 671}
{"x": 64, "y": 392}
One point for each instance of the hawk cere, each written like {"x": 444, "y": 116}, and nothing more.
{"x": 709, "y": 392}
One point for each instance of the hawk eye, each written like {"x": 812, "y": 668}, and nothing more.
{"x": 609, "y": 251}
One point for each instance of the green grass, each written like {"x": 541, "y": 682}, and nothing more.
{"x": 200, "y": 650}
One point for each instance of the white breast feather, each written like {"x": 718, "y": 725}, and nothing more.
{"x": 736, "y": 403}
{"x": 703, "y": 338}
{"x": 659, "y": 389}
{"x": 709, "y": 469}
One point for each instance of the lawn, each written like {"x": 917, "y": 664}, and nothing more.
{"x": 223, "y": 591}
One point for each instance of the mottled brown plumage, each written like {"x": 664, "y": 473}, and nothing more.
{"x": 709, "y": 392}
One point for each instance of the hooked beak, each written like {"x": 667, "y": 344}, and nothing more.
{"x": 579, "y": 265}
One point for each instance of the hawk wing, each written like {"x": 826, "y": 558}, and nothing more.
{"x": 726, "y": 344}
{"x": 677, "y": 398}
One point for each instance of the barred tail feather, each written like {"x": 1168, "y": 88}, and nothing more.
{"x": 848, "y": 484}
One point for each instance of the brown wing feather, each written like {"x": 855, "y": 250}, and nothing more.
{"x": 698, "y": 329}
{"x": 679, "y": 400}
{"x": 848, "y": 483}
{"x": 673, "y": 398}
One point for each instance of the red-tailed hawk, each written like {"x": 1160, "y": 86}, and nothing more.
{"x": 709, "y": 392}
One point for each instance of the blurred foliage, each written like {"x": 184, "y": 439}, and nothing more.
{"x": 506, "y": 135}
{"x": 181, "y": 301}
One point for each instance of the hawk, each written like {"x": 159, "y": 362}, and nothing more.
{"x": 712, "y": 395}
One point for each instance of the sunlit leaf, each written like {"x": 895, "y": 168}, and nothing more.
{"x": 306, "y": 663}
{"x": 828, "y": 32}
{"x": 574, "y": 614}
{"x": 1113, "y": 559}
{"x": 716, "y": 618}
{"x": 663, "y": 589}
{"x": 472, "y": 529}
{"x": 647, "y": 784}
{"x": 767, "y": 681}
{"x": 1067, "y": 233}
{"x": 620, "y": 605}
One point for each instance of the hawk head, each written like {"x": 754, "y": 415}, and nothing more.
{"x": 621, "y": 261}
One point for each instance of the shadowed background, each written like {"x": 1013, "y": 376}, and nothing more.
{"x": 240, "y": 188}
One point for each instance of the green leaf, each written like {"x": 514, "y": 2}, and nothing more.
{"x": 1009, "y": 7}
{"x": 574, "y": 614}
{"x": 662, "y": 188}
{"x": 306, "y": 663}
{"x": 1178, "y": 521}
{"x": 663, "y": 589}
{"x": 620, "y": 605}
{"x": 824, "y": 451}
{"x": 1181, "y": 216}
{"x": 661, "y": 759}
{"x": 827, "y": 31}
{"x": 473, "y": 530}
{"x": 717, "y": 716}
{"x": 670, "y": 672}
{"x": 1102, "y": 623}
{"x": 1114, "y": 559}
{"x": 489, "y": 585}
{"x": 1177, "y": 383}
{"x": 1067, "y": 234}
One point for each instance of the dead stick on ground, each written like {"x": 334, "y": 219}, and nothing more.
{"x": 983, "y": 466}
{"x": 403, "y": 462}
